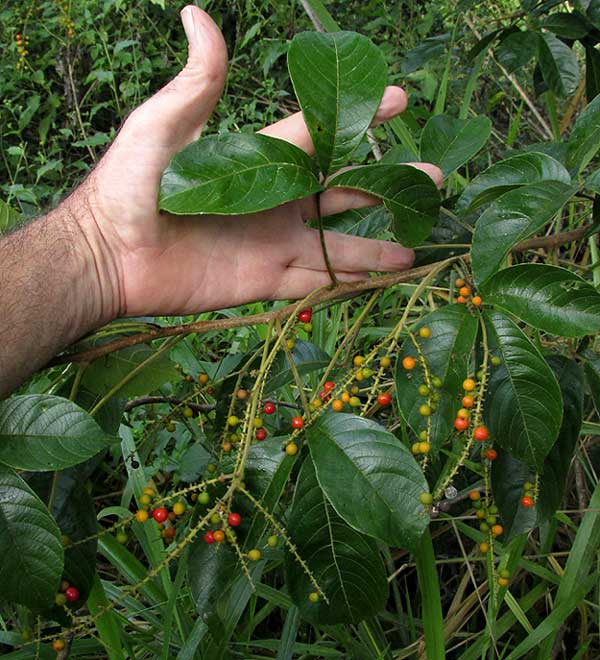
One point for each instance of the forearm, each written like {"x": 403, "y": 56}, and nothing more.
{"x": 57, "y": 282}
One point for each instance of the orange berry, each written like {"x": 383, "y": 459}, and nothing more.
{"x": 468, "y": 384}
{"x": 461, "y": 299}
{"x": 464, "y": 291}
{"x": 476, "y": 300}
{"x": 345, "y": 397}
{"x": 497, "y": 530}
{"x": 468, "y": 401}
{"x": 503, "y": 582}
{"x": 408, "y": 363}
{"x": 337, "y": 405}
{"x": 219, "y": 535}
{"x": 474, "y": 495}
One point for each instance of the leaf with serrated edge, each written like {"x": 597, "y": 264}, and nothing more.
{"x": 512, "y": 217}
{"x": 41, "y": 432}
{"x": 546, "y": 297}
{"x": 345, "y": 563}
{"x": 519, "y": 170}
{"x": 523, "y": 407}
{"x": 237, "y": 173}
{"x": 453, "y": 331}
{"x": 30, "y": 546}
{"x": 339, "y": 80}
{"x": 371, "y": 479}
{"x": 410, "y": 194}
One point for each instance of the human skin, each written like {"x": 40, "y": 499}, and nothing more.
{"x": 107, "y": 252}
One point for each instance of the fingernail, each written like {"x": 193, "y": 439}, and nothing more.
{"x": 401, "y": 257}
{"x": 189, "y": 25}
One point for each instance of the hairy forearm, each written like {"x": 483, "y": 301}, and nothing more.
{"x": 57, "y": 282}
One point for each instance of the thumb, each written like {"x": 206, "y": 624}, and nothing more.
{"x": 176, "y": 114}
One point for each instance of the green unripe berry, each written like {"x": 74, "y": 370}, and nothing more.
{"x": 367, "y": 373}
{"x": 211, "y": 467}
{"x": 354, "y": 401}
{"x": 423, "y": 390}
{"x": 426, "y": 498}
{"x": 171, "y": 427}
{"x": 307, "y": 327}
{"x": 215, "y": 519}
{"x": 313, "y": 597}
{"x": 484, "y": 527}
{"x": 504, "y": 573}
{"x": 273, "y": 541}
{"x": 204, "y": 498}
{"x": 491, "y": 520}
{"x": 496, "y": 361}
{"x": 425, "y": 410}
{"x": 436, "y": 397}
{"x": 122, "y": 537}
{"x": 254, "y": 554}
{"x": 436, "y": 381}
{"x": 493, "y": 509}
{"x": 60, "y": 600}
{"x": 188, "y": 412}
{"x": 423, "y": 436}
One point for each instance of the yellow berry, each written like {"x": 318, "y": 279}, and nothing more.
{"x": 141, "y": 516}
{"x": 254, "y": 555}
{"x": 424, "y": 333}
{"x": 385, "y": 362}
{"x": 425, "y": 410}
{"x": 358, "y": 360}
{"x": 484, "y": 548}
{"x": 424, "y": 447}
{"x": 416, "y": 448}
{"x": 313, "y": 597}
{"x": 468, "y": 384}
{"x": 291, "y": 449}
{"x": 232, "y": 420}
{"x": 179, "y": 508}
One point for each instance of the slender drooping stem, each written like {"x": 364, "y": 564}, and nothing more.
{"x": 334, "y": 280}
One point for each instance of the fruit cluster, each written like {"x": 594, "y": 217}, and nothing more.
{"x": 465, "y": 293}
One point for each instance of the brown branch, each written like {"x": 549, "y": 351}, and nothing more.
{"x": 147, "y": 400}
{"x": 344, "y": 291}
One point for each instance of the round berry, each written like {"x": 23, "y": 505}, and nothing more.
{"x": 337, "y": 405}
{"x": 171, "y": 427}
{"x": 122, "y": 537}
{"x": 145, "y": 499}
{"x": 291, "y": 449}
{"x": 484, "y": 548}
{"x": 234, "y": 519}
{"x": 474, "y": 495}
{"x": 464, "y": 291}
{"x": 215, "y": 519}
{"x": 254, "y": 554}
{"x": 188, "y": 412}
{"x": 141, "y": 516}
{"x": 227, "y": 447}
{"x": 491, "y": 454}
{"x": 257, "y": 423}
{"x": 290, "y": 343}
{"x": 424, "y": 332}
{"x": 72, "y": 594}
{"x": 423, "y": 436}
{"x": 324, "y": 396}
{"x": 242, "y": 394}
{"x": 459, "y": 282}
{"x": 358, "y": 360}
{"x": 273, "y": 541}
{"x": 203, "y": 379}
{"x": 423, "y": 390}
{"x": 305, "y": 315}
{"x": 232, "y": 420}
{"x": 58, "y": 645}
{"x": 345, "y": 397}
{"x": 204, "y": 498}
{"x": 60, "y": 599}
{"x": 179, "y": 508}
{"x": 219, "y": 535}
{"x": 416, "y": 448}
{"x": 313, "y": 596}
{"x": 526, "y": 501}
{"x": 424, "y": 447}
{"x": 426, "y": 498}
{"x": 367, "y": 373}
{"x": 461, "y": 299}
{"x": 354, "y": 402}
{"x": 468, "y": 401}
{"x": 209, "y": 537}
{"x": 260, "y": 434}
{"x": 437, "y": 382}
{"x": 476, "y": 300}
{"x": 479, "y": 513}
{"x": 468, "y": 385}
{"x": 425, "y": 410}
{"x": 496, "y": 361}
{"x": 484, "y": 527}
{"x": 464, "y": 413}
{"x": 269, "y": 408}
{"x": 160, "y": 514}
{"x": 460, "y": 423}
{"x": 481, "y": 433}
{"x": 408, "y": 363}
{"x": 384, "y": 399}
{"x": 385, "y": 362}
{"x": 497, "y": 530}
{"x": 503, "y": 582}
{"x": 329, "y": 386}
{"x": 297, "y": 422}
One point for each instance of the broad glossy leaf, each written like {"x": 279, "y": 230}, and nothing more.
{"x": 236, "y": 173}
{"x": 211, "y": 568}
{"x": 30, "y": 546}
{"x": 345, "y": 563}
{"x": 41, "y": 432}
{"x": 546, "y": 297}
{"x": 427, "y": 50}
{"x": 307, "y": 358}
{"x": 108, "y": 371}
{"x": 523, "y": 407}
{"x": 584, "y": 141}
{"x": 449, "y": 142}
{"x": 567, "y": 25}
{"x": 559, "y": 65}
{"x": 339, "y": 79}
{"x": 9, "y": 218}
{"x": 370, "y": 478}
{"x": 510, "y": 474}
{"x": 592, "y": 73}
{"x": 512, "y": 217}
{"x": 517, "y": 50}
{"x": 453, "y": 332}
{"x": 410, "y": 195}
{"x": 366, "y": 223}
{"x": 521, "y": 170}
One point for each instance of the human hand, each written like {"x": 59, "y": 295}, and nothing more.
{"x": 156, "y": 263}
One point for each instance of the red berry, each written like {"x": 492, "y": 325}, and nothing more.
{"x": 460, "y": 423}
{"x": 526, "y": 501}
{"x": 209, "y": 537}
{"x": 260, "y": 434}
{"x": 481, "y": 433}
{"x": 384, "y": 399}
{"x": 297, "y": 422}
{"x": 269, "y": 408}
{"x": 305, "y": 316}
{"x": 491, "y": 454}
{"x": 72, "y": 594}
{"x": 160, "y": 515}
{"x": 329, "y": 385}
{"x": 234, "y": 519}
{"x": 324, "y": 396}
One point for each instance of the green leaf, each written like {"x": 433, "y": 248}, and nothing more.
{"x": 210, "y": 571}
{"x": 427, "y": 50}
{"x": 513, "y": 172}
{"x": 41, "y": 432}
{"x": 307, "y": 358}
{"x": 108, "y": 371}
{"x": 592, "y": 377}
{"x": 546, "y": 297}
{"x": 30, "y": 546}
{"x": 584, "y": 141}
{"x": 370, "y": 478}
{"x": 592, "y": 73}
{"x": 339, "y": 80}
{"x": 523, "y": 405}
{"x": 512, "y": 217}
{"x": 9, "y": 218}
{"x": 510, "y": 474}
{"x": 567, "y": 26}
{"x": 517, "y": 50}
{"x": 453, "y": 332}
{"x": 236, "y": 173}
{"x": 367, "y": 223}
{"x": 449, "y": 142}
{"x": 558, "y": 64}
{"x": 345, "y": 563}
{"x": 410, "y": 194}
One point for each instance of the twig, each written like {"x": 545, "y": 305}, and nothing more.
{"x": 148, "y": 400}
